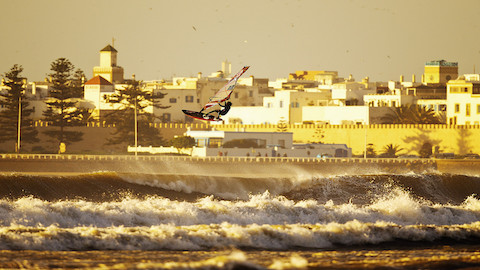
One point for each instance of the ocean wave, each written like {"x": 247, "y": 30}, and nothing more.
{"x": 397, "y": 207}
{"x": 226, "y": 235}
{"x": 357, "y": 189}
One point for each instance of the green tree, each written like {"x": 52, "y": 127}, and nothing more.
{"x": 411, "y": 114}
{"x": 181, "y": 142}
{"x": 62, "y": 111}
{"x": 426, "y": 150}
{"x": 10, "y": 100}
{"x": 391, "y": 150}
{"x": 78, "y": 82}
{"x": 133, "y": 100}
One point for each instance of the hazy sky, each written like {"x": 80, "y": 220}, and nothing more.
{"x": 158, "y": 39}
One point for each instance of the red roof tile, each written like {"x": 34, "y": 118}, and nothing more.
{"x": 98, "y": 80}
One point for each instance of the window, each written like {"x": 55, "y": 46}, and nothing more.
{"x": 476, "y": 89}
{"x": 467, "y": 111}
{"x": 189, "y": 99}
{"x": 394, "y": 103}
{"x": 478, "y": 109}
{"x": 250, "y": 93}
{"x": 201, "y": 142}
{"x": 453, "y": 120}
{"x": 236, "y": 95}
{"x": 281, "y": 103}
{"x": 166, "y": 117}
{"x": 262, "y": 143}
{"x": 215, "y": 142}
{"x": 173, "y": 100}
{"x": 457, "y": 108}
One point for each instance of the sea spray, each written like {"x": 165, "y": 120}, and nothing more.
{"x": 309, "y": 213}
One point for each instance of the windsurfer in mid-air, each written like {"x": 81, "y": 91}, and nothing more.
{"x": 215, "y": 114}
{"x": 218, "y": 104}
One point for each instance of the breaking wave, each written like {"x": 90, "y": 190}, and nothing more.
{"x": 108, "y": 211}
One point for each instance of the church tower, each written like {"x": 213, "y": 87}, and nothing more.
{"x": 108, "y": 68}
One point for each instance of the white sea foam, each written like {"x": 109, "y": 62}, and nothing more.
{"x": 226, "y": 235}
{"x": 263, "y": 220}
{"x": 398, "y": 207}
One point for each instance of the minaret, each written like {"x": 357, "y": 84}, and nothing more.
{"x": 108, "y": 68}
{"x": 226, "y": 68}
{"x": 108, "y": 57}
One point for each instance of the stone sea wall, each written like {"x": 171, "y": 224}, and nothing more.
{"x": 261, "y": 166}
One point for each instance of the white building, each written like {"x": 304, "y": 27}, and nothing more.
{"x": 350, "y": 93}
{"x": 343, "y": 115}
{"x": 270, "y": 144}
{"x": 392, "y": 99}
{"x": 97, "y": 93}
{"x": 181, "y": 93}
{"x": 284, "y": 105}
{"x": 463, "y": 100}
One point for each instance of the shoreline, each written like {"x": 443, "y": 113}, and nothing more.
{"x": 35, "y": 164}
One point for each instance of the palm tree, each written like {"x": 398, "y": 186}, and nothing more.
{"x": 391, "y": 150}
{"x": 411, "y": 114}
{"x": 371, "y": 153}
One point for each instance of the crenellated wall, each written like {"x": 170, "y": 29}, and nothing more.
{"x": 449, "y": 138}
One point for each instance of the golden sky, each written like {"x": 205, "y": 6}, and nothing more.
{"x": 382, "y": 39}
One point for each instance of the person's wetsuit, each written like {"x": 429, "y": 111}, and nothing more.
{"x": 226, "y": 108}
{"x": 211, "y": 115}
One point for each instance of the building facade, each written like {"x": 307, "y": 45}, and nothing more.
{"x": 463, "y": 100}
{"x": 269, "y": 144}
{"x": 440, "y": 72}
{"x": 108, "y": 68}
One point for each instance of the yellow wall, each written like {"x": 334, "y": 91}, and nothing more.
{"x": 450, "y": 139}
{"x": 438, "y": 74}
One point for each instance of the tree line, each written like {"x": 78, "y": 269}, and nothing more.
{"x": 63, "y": 110}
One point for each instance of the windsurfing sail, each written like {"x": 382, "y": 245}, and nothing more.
{"x": 224, "y": 93}
{"x": 212, "y": 110}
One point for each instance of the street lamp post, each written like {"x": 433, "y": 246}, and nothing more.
{"x": 365, "y": 150}
{"x": 136, "y": 125}
{"x": 19, "y": 121}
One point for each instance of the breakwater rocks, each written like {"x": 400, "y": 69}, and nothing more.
{"x": 262, "y": 166}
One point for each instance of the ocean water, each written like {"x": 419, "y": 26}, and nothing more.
{"x": 183, "y": 221}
